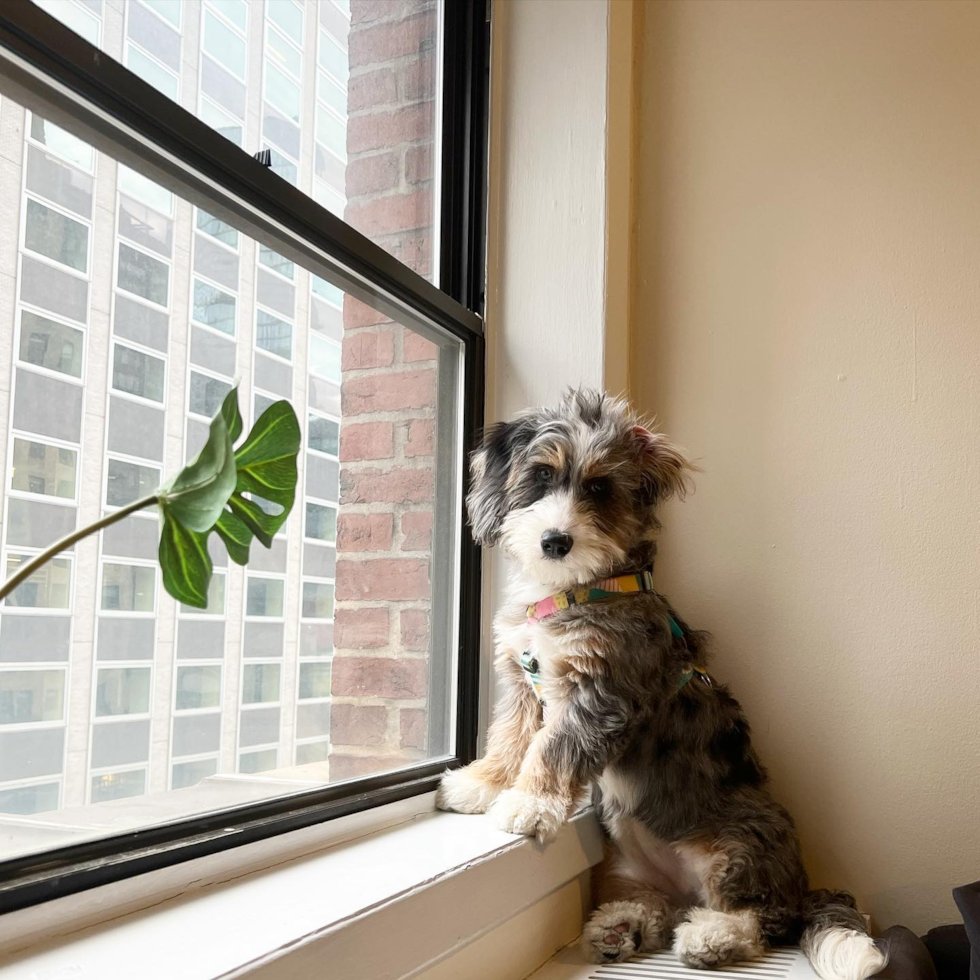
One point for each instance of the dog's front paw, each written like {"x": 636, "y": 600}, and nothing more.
{"x": 517, "y": 812}
{"x": 464, "y": 792}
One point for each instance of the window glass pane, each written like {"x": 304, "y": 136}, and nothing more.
{"x": 265, "y": 596}
{"x": 61, "y": 142}
{"x": 332, "y": 57}
{"x": 126, "y": 482}
{"x": 260, "y": 682}
{"x": 219, "y": 120}
{"x": 284, "y": 54}
{"x": 282, "y": 92}
{"x": 128, "y": 588}
{"x": 258, "y": 761}
{"x": 224, "y": 45}
{"x": 142, "y": 189}
{"x": 30, "y": 799}
{"x": 286, "y": 15}
{"x": 191, "y": 773}
{"x": 198, "y": 687}
{"x": 118, "y": 785}
{"x": 317, "y": 600}
{"x": 234, "y": 10}
{"x": 48, "y": 588}
{"x": 74, "y": 16}
{"x": 325, "y": 358}
{"x": 214, "y": 307}
{"x": 284, "y": 167}
{"x": 39, "y": 468}
{"x": 168, "y": 9}
{"x": 151, "y": 71}
{"x": 275, "y": 261}
{"x": 273, "y": 334}
{"x": 137, "y": 373}
{"x": 49, "y": 232}
{"x": 324, "y": 435}
{"x": 321, "y": 522}
{"x": 206, "y": 394}
{"x": 50, "y": 344}
{"x": 216, "y": 599}
{"x": 122, "y": 691}
{"x": 331, "y": 132}
{"x": 31, "y": 695}
{"x": 143, "y": 275}
{"x": 217, "y": 228}
{"x": 314, "y": 680}
{"x": 159, "y": 320}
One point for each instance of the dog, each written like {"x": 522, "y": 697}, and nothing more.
{"x": 604, "y": 685}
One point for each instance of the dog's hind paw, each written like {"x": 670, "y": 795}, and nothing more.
{"x": 517, "y": 812}
{"x": 709, "y": 938}
{"x": 615, "y": 931}
{"x": 464, "y": 792}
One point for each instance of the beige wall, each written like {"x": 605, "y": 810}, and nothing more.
{"x": 806, "y": 320}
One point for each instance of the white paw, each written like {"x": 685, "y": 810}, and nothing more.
{"x": 517, "y": 812}
{"x": 464, "y": 792}
{"x": 710, "y": 938}
{"x": 617, "y": 930}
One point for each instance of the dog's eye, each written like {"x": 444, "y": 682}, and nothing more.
{"x": 544, "y": 474}
{"x": 598, "y": 488}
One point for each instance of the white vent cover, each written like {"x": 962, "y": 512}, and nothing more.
{"x": 777, "y": 964}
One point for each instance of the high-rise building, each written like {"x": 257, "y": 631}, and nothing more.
{"x": 131, "y": 314}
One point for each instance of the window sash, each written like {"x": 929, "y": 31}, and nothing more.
{"x": 50, "y": 70}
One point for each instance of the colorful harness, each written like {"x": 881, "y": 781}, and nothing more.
{"x": 637, "y": 582}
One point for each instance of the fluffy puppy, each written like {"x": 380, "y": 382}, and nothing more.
{"x": 602, "y": 690}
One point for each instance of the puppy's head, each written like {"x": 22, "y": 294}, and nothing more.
{"x": 571, "y": 492}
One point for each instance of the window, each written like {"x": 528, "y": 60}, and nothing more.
{"x": 43, "y": 469}
{"x": 126, "y": 482}
{"x": 118, "y": 785}
{"x": 198, "y": 687}
{"x": 31, "y": 696}
{"x": 273, "y": 334}
{"x": 224, "y": 45}
{"x": 206, "y": 394}
{"x": 265, "y": 597}
{"x": 323, "y": 435}
{"x": 49, "y": 344}
{"x": 125, "y": 333}
{"x": 128, "y": 588}
{"x": 51, "y": 233}
{"x": 122, "y": 691}
{"x": 143, "y": 275}
{"x": 137, "y": 373}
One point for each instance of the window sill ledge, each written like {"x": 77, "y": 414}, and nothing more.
{"x": 394, "y": 902}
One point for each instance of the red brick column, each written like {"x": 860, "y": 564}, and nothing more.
{"x": 380, "y": 672}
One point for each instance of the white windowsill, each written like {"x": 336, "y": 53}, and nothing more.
{"x": 394, "y": 902}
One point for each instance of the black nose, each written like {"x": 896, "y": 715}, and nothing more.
{"x": 556, "y": 544}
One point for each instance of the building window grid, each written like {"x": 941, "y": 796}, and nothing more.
{"x": 123, "y": 242}
{"x": 20, "y": 364}
{"x": 150, "y": 352}
{"x": 49, "y": 149}
{"x": 109, "y": 772}
{"x": 202, "y": 54}
{"x": 130, "y": 44}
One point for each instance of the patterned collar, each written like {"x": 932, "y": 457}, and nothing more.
{"x": 635, "y": 582}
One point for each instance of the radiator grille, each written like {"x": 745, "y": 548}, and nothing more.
{"x": 774, "y": 965}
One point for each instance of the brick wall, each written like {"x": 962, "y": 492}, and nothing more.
{"x": 381, "y": 635}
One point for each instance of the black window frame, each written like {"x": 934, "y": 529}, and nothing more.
{"x": 48, "y": 68}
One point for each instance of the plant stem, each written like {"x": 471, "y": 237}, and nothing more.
{"x": 66, "y": 542}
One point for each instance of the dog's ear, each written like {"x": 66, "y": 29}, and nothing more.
{"x": 489, "y": 469}
{"x": 665, "y": 470}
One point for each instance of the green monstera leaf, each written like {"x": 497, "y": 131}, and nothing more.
{"x": 266, "y": 467}
{"x": 209, "y": 495}
{"x": 185, "y": 563}
{"x": 237, "y": 495}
